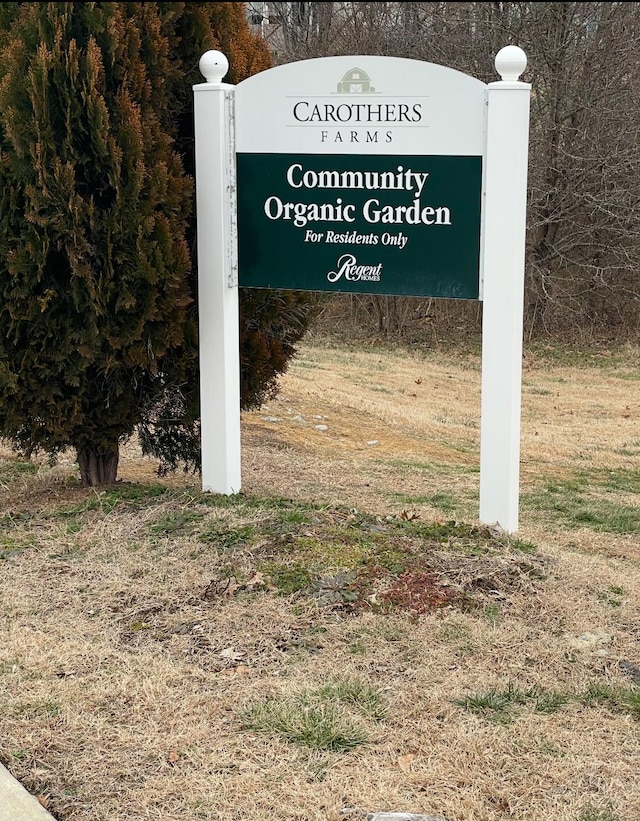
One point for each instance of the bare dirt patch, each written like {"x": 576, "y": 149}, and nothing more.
{"x": 142, "y": 624}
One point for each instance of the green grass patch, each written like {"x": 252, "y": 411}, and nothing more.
{"x": 618, "y": 698}
{"x": 365, "y": 698}
{"x": 319, "y": 726}
{"x": 11, "y": 546}
{"x": 177, "y": 523}
{"x": 581, "y": 501}
{"x": 225, "y": 537}
{"x": 498, "y": 705}
{"x": 432, "y": 468}
{"x": 29, "y": 709}
{"x": 391, "y": 557}
{"x": 12, "y": 469}
{"x": 591, "y": 813}
{"x": 444, "y": 502}
{"x": 294, "y": 516}
{"x": 570, "y": 356}
{"x": 130, "y": 495}
{"x": 288, "y": 578}
{"x": 331, "y": 717}
{"x": 326, "y": 551}
{"x": 618, "y": 481}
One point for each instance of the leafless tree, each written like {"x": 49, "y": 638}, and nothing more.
{"x": 583, "y": 239}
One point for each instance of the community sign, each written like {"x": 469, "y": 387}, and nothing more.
{"x": 362, "y": 175}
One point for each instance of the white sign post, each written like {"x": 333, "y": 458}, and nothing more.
{"x": 503, "y": 295}
{"x": 217, "y": 278}
{"x": 425, "y": 113}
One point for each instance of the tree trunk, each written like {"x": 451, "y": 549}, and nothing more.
{"x": 98, "y": 465}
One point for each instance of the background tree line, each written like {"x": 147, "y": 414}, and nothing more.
{"x": 583, "y": 238}
{"x": 98, "y": 294}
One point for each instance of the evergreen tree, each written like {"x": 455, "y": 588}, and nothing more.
{"x": 93, "y": 283}
{"x": 96, "y": 224}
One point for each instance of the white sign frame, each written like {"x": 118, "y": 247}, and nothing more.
{"x": 455, "y": 125}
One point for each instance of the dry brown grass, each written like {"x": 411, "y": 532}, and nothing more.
{"x": 121, "y": 683}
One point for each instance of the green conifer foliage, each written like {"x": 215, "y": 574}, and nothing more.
{"x": 98, "y": 278}
{"x": 94, "y": 262}
{"x": 271, "y": 322}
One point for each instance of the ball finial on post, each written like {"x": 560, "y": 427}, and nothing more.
{"x": 213, "y": 66}
{"x": 510, "y": 62}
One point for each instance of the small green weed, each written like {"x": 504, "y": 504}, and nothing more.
{"x": 20, "y": 755}
{"x": 612, "y": 595}
{"x": 551, "y": 749}
{"x": 492, "y": 614}
{"x": 337, "y": 590}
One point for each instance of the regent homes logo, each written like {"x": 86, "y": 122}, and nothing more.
{"x": 348, "y": 267}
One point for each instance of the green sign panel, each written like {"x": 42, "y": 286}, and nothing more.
{"x": 404, "y": 225}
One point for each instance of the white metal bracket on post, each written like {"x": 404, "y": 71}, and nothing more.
{"x": 217, "y": 278}
{"x": 503, "y": 292}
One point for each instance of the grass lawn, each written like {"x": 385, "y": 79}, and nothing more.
{"x": 342, "y": 637}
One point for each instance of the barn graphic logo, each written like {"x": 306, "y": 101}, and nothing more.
{"x": 356, "y": 81}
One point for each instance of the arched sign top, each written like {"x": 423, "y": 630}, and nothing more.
{"x": 361, "y": 104}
